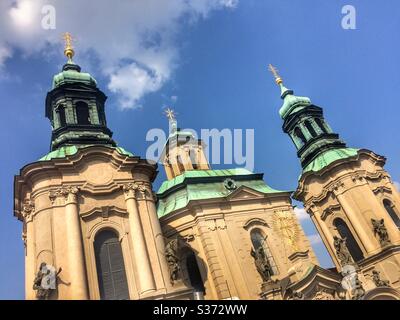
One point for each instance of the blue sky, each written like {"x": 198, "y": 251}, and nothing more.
{"x": 212, "y": 56}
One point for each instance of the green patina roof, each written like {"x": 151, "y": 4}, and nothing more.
{"x": 65, "y": 151}
{"x": 329, "y": 156}
{"x": 73, "y": 76}
{"x": 204, "y": 184}
{"x": 291, "y": 103}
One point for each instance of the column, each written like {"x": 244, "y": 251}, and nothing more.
{"x": 145, "y": 273}
{"x": 27, "y": 212}
{"x": 158, "y": 235}
{"x": 76, "y": 261}
{"x": 324, "y": 231}
{"x": 363, "y": 234}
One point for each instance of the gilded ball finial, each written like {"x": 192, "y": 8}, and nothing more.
{"x": 69, "y": 49}
{"x": 274, "y": 71}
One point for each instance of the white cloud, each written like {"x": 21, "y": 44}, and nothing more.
{"x": 134, "y": 41}
{"x": 397, "y": 185}
{"x": 314, "y": 239}
{"x": 301, "y": 214}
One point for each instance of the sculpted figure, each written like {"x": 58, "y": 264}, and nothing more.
{"x": 171, "y": 250}
{"x": 342, "y": 251}
{"x": 376, "y": 278}
{"x": 380, "y": 230}
{"x": 45, "y": 282}
{"x": 262, "y": 264}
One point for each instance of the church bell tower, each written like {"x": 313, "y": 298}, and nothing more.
{"x": 350, "y": 197}
{"x": 88, "y": 209}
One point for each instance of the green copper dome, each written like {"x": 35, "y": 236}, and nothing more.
{"x": 72, "y": 74}
{"x": 291, "y": 103}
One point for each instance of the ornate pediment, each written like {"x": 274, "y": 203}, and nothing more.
{"x": 244, "y": 193}
{"x": 330, "y": 210}
{"x": 255, "y": 222}
{"x": 104, "y": 212}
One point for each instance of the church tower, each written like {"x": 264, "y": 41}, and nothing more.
{"x": 88, "y": 210}
{"x": 350, "y": 197}
{"x": 182, "y": 151}
{"x": 236, "y": 237}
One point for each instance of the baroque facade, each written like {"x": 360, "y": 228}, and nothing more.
{"x": 93, "y": 227}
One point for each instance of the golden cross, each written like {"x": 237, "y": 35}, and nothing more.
{"x": 171, "y": 115}
{"x": 274, "y": 71}
{"x": 69, "y": 49}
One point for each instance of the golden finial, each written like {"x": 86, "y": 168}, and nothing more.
{"x": 274, "y": 71}
{"x": 170, "y": 113}
{"x": 69, "y": 49}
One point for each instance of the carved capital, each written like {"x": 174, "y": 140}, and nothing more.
{"x": 130, "y": 190}
{"x": 68, "y": 193}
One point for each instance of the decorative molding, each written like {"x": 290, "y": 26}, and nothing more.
{"x": 382, "y": 189}
{"x": 330, "y": 210}
{"x": 255, "y": 222}
{"x": 104, "y": 212}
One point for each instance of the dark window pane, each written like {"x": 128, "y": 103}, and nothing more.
{"x": 82, "y": 113}
{"x": 389, "y": 208}
{"x": 351, "y": 242}
{"x": 110, "y": 267}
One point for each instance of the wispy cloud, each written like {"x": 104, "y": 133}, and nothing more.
{"x": 135, "y": 43}
{"x": 314, "y": 239}
{"x": 301, "y": 214}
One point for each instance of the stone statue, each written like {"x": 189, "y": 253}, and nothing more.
{"x": 45, "y": 282}
{"x": 376, "y": 278}
{"x": 171, "y": 250}
{"x": 358, "y": 291}
{"x": 341, "y": 251}
{"x": 262, "y": 264}
{"x": 381, "y": 231}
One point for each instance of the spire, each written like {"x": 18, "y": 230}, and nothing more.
{"x": 76, "y": 106}
{"x": 69, "y": 49}
{"x": 291, "y": 102}
{"x": 305, "y": 124}
{"x": 171, "y": 115}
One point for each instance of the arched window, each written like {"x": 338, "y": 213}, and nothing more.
{"x": 351, "y": 242}
{"x": 61, "y": 115}
{"x": 300, "y": 135}
{"x": 194, "y": 273}
{"x": 259, "y": 240}
{"x": 318, "y": 121}
{"x": 310, "y": 128}
{"x": 82, "y": 113}
{"x": 110, "y": 267}
{"x": 392, "y": 213}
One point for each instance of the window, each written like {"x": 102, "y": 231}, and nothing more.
{"x": 300, "y": 135}
{"x": 194, "y": 273}
{"x": 392, "y": 213}
{"x": 318, "y": 121}
{"x": 110, "y": 267}
{"x": 351, "y": 242}
{"x": 310, "y": 128}
{"x": 82, "y": 113}
{"x": 259, "y": 240}
{"x": 61, "y": 115}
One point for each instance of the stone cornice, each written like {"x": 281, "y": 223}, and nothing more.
{"x": 328, "y": 170}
